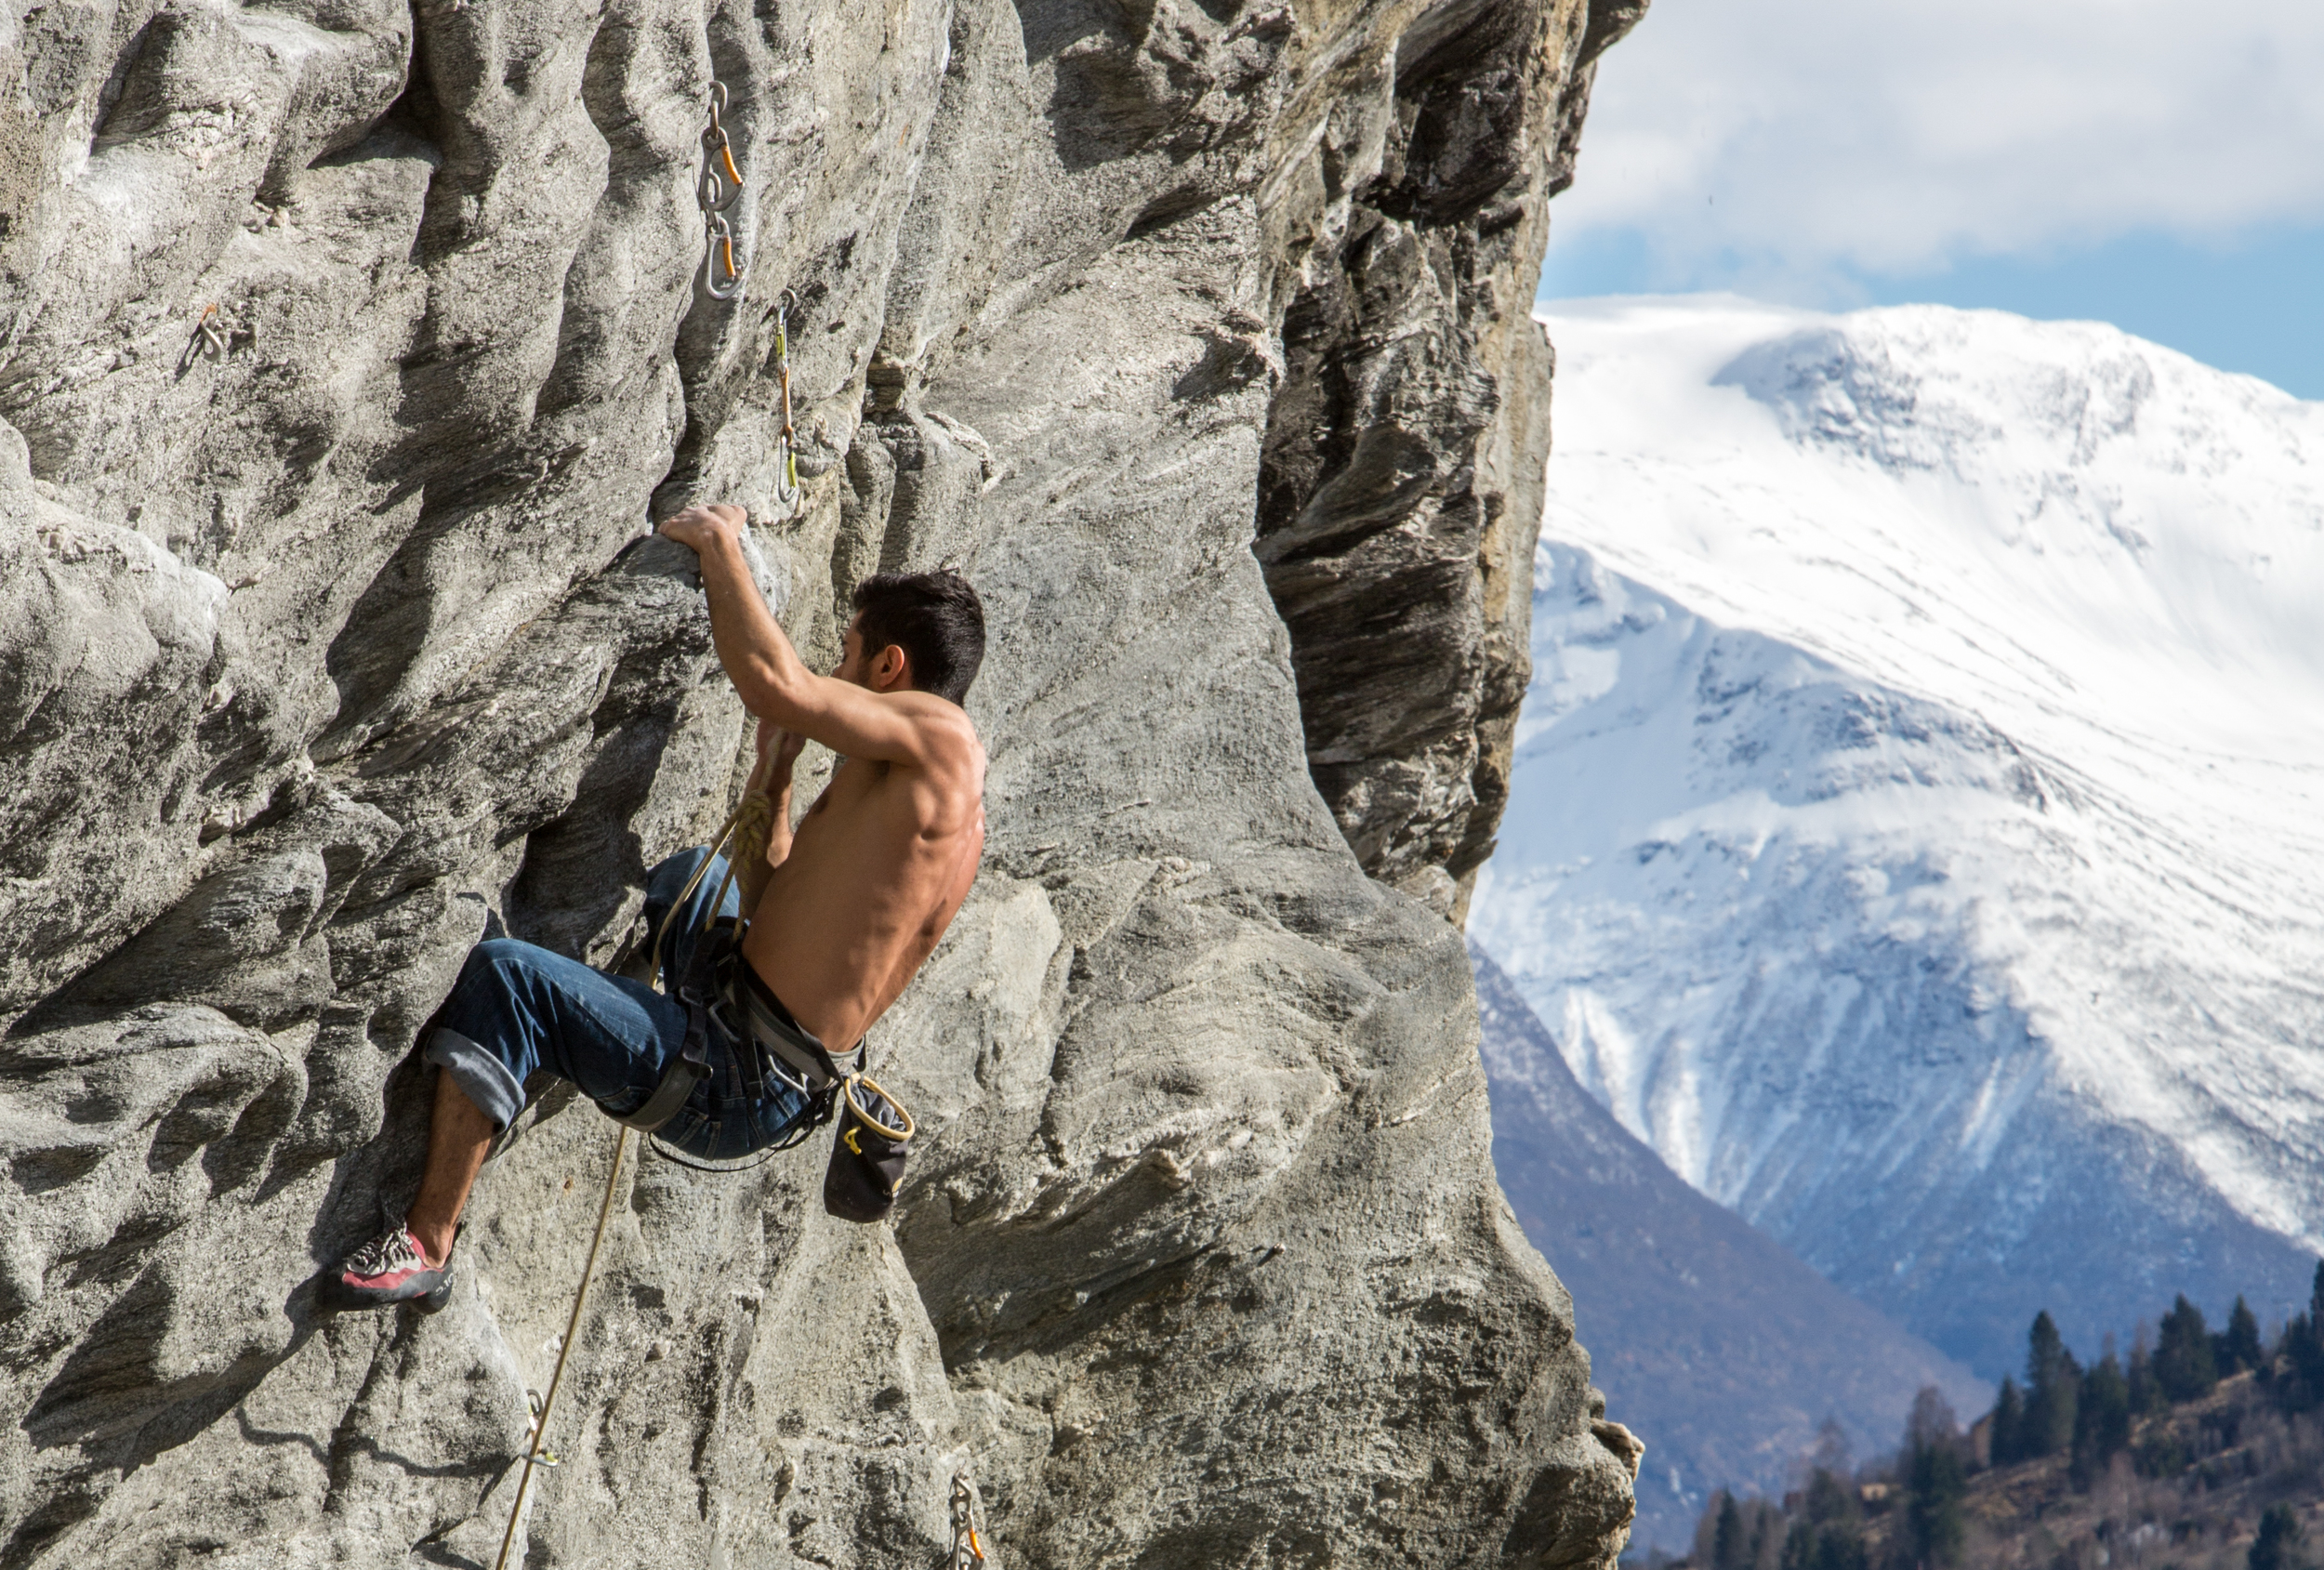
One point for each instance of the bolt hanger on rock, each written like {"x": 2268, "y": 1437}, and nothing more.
{"x": 208, "y": 341}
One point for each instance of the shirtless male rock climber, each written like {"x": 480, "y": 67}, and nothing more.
{"x": 858, "y": 897}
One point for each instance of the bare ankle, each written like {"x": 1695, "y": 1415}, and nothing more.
{"x": 434, "y": 1242}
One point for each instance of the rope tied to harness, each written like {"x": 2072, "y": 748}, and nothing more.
{"x": 746, "y": 826}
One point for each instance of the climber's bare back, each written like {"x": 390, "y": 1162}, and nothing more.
{"x": 877, "y": 869}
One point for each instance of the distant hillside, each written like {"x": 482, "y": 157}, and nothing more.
{"x": 2203, "y": 1451}
{"x": 2190, "y": 1495}
{"x": 1711, "y": 1340}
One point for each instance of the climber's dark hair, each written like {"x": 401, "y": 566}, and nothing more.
{"x": 934, "y": 617}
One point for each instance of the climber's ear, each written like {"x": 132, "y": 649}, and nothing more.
{"x": 889, "y": 670}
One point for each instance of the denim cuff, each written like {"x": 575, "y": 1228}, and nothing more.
{"x": 481, "y": 1076}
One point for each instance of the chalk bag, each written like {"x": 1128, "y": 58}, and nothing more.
{"x": 867, "y": 1158}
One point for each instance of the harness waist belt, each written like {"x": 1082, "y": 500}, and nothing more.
{"x": 690, "y": 1068}
{"x": 771, "y": 1025}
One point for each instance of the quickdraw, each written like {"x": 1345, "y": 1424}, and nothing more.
{"x": 787, "y": 469}
{"x": 968, "y": 1550}
{"x": 719, "y": 189}
{"x": 211, "y": 332}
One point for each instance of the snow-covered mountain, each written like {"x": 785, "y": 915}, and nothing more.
{"x": 1917, "y": 833}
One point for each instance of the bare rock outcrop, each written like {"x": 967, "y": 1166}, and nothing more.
{"x": 1400, "y": 490}
{"x": 346, "y": 350}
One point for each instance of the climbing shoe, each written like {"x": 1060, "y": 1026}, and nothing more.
{"x": 388, "y": 1269}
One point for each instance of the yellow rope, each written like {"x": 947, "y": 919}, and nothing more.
{"x": 564, "y": 1351}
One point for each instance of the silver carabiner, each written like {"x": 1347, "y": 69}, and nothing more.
{"x": 718, "y": 261}
{"x": 721, "y": 184}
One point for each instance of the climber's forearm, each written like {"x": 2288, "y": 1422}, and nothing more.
{"x": 779, "y": 824}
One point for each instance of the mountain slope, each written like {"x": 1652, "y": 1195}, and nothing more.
{"x": 1916, "y": 814}
{"x": 1713, "y": 1340}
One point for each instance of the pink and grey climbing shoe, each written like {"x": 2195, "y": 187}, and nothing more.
{"x": 388, "y": 1269}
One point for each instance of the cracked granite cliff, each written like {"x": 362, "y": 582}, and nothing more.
{"x": 346, "y": 346}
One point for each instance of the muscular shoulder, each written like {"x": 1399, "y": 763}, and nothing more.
{"x": 948, "y": 747}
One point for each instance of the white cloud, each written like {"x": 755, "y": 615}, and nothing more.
{"x": 1810, "y": 138}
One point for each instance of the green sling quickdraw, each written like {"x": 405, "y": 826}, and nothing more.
{"x": 787, "y": 474}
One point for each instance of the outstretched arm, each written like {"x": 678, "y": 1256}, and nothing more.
{"x": 774, "y": 682}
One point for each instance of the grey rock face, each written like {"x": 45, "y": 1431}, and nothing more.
{"x": 327, "y": 644}
{"x": 1400, "y": 490}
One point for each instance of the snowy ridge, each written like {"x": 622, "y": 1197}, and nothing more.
{"x": 1919, "y": 813}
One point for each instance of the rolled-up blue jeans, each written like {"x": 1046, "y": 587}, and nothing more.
{"x": 519, "y": 1008}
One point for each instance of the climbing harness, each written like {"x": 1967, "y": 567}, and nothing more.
{"x": 535, "y": 1455}
{"x": 787, "y": 469}
{"x": 719, "y": 189}
{"x": 867, "y": 1158}
{"x": 968, "y": 1550}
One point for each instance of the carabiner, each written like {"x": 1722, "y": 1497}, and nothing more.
{"x": 713, "y": 193}
{"x": 720, "y": 249}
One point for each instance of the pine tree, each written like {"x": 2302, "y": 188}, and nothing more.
{"x": 2052, "y": 1381}
{"x": 1730, "y": 1545}
{"x": 2303, "y": 1350}
{"x": 2146, "y": 1397}
{"x": 2183, "y": 1356}
{"x": 1933, "y": 1517}
{"x": 1830, "y": 1500}
{"x": 2102, "y": 1419}
{"x": 2237, "y": 1347}
{"x": 1799, "y": 1547}
{"x": 1828, "y": 1535}
{"x": 2007, "y": 1427}
{"x": 1930, "y": 1421}
{"x": 1840, "y": 1548}
{"x": 1767, "y": 1537}
{"x": 2277, "y": 1546}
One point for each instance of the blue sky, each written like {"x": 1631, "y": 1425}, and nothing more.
{"x": 2137, "y": 162}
